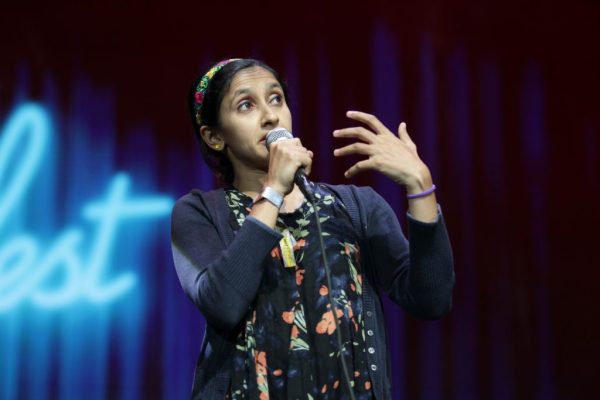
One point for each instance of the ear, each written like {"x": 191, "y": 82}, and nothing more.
{"x": 212, "y": 138}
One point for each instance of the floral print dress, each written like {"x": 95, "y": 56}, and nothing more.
{"x": 287, "y": 347}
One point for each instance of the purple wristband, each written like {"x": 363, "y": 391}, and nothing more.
{"x": 422, "y": 194}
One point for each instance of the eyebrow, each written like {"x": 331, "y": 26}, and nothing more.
{"x": 246, "y": 90}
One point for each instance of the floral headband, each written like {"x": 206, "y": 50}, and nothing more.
{"x": 203, "y": 85}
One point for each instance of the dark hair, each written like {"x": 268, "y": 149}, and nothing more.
{"x": 209, "y": 114}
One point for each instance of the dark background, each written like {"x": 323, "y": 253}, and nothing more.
{"x": 501, "y": 98}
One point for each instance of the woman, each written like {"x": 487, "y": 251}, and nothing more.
{"x": 248, "y": 254}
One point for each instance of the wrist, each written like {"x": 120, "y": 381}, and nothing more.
{"x": 425, "y": 193}
{"x": 271, "y": 195}
{"x": 419, "y": 182}
{"x": 275, "y": 185}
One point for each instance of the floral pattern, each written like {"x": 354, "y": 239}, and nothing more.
{"x": 203, "y": 86}
{"x": 287, "y": 347}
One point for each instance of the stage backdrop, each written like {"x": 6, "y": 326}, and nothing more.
{"x": 501, "y": 98}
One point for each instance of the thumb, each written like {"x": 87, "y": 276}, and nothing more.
{"x": 403, "y": 133}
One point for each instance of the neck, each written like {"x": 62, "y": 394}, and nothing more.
{"x": 250, "y": 181}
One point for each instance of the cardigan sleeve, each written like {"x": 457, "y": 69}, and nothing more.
{"x": 221, "y": 280}
{"x": 417, "y": 274}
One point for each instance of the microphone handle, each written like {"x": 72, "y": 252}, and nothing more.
{"x": 303, "y": 183}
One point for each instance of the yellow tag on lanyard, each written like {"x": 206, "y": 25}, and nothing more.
{"x": 286, "y": 244}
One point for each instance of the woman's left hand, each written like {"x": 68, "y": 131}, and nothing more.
{"x": 394, "y": 156}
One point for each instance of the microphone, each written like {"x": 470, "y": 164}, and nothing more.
{"x": 306, "y": 187}
{"x": 300, "y": 178}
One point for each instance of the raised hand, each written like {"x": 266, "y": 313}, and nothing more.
{"x": 394, "y": 156}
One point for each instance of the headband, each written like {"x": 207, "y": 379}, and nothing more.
{"x": 203, "y": 85}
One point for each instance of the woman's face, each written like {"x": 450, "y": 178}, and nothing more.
{"x": 253, "y": 105}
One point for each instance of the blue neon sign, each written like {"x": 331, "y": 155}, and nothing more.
{"x": 26, "y": 264}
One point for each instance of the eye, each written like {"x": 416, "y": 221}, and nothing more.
{"x": 244, "y": 105}
{"x": 276, "y": 99}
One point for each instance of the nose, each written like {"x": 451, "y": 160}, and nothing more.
{"x": 270, "y": 118}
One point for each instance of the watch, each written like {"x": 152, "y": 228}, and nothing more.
{"x": 272, "y": 195}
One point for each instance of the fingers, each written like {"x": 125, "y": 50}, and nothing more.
{"x": 291, "y": 150}
{"x": 305, "y": 158}
{"x": 403, "y": 133}
{"x": 285, "y": 157}
{"x": 285, "y": 143}
{"x": 308, "y": 167}
{"x": 368, "y": 119}
{"x": 386, "y": 152}
{"x": 356, "y": 132}
{"x": 354, "y": 148}
{"x": 359, "y": 167}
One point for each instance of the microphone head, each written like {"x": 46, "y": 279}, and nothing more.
{"x": 277, "y": 134}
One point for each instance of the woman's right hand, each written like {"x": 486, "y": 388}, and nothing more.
{"x": 285, "y": 157}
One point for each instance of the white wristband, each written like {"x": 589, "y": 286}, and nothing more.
{"x": 271, "y": 195}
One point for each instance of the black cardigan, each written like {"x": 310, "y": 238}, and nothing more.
{"x": 220, "y": 276}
